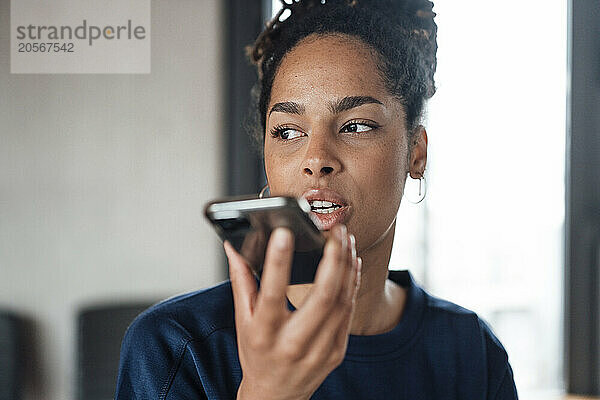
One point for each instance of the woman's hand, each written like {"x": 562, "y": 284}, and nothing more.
{"x": 287, "y": 355}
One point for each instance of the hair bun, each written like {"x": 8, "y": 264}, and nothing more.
{"x": 421, "y": 9}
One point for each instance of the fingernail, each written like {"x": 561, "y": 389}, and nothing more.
{"x": 282, "y": 238}
{"x": 341, "y": 232}
{"x": 352, "y": 240}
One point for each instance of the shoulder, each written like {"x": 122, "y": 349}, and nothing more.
{"x": 466, "y": 325}
{"x": 448, "y": 327}
{"x": 157, "y": 340}
{"x": 189, "y": 316}
{"x": 476, "y": 347}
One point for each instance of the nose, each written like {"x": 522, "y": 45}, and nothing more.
{"x": 321, "y": 157}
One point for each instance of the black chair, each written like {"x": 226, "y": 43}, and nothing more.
{"x": 100, "y": 331}
{"x": 12, "y": 358}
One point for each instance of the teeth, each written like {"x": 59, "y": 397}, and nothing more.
{"x": 326, "y": 210}
{"x": 322, "y": 203}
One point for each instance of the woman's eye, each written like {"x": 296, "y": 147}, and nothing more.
{"x": 356, "y": 127}
{"x": 285, "y": 133}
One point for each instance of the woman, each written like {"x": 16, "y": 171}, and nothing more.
{"x": 340, "y": 98}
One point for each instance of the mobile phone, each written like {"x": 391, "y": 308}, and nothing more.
{"x": 247, "y": 224}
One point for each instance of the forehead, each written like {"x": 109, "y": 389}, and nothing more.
{"x": 331, "y": 65}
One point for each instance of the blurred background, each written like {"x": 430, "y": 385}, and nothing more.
{"x": 103, "y": 179}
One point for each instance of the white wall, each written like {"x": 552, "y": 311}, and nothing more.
{"x": 103, "y": 179}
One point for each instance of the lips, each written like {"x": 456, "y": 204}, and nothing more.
{"x": 328, "y": 207}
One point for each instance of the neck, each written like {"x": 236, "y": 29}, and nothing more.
{"x": 379, "y": 302}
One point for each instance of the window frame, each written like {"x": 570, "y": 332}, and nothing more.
{"x": 582, "y": 213}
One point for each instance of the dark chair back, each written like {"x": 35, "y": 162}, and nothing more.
{"x": 100, "y": 331}
{"x": 11, "y": 357}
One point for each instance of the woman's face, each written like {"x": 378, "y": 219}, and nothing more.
{"x": 338, "y": 129}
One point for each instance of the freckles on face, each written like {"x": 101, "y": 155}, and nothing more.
{"x": 332, "y": 124}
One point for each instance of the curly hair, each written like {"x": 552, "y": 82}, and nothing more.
{"x": 402, "y": 32}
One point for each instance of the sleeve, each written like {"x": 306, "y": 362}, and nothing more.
{"x": 152, "y": 364}
{"x": 507, "y": 389}
{"x": 500, "y": 375}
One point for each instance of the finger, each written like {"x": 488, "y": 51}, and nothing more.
{"x": 332, "y": 270}
{"x": 358, "y": 277}
{"x": 324, "y": 294}
{"x": 341, "y": 321}
{"x": 276, "y": 271}
{"x": 348, "y": 317}
{"x": 332, "y": 338}
{"x": 243, "y": 283}
{"x": 349, "y": 279}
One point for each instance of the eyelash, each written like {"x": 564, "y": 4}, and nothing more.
{"x": 277, "y": 130}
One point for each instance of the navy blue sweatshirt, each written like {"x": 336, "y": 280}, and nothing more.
{"x": 185, "y": 348}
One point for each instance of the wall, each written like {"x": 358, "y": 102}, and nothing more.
{"x": 103, "y": 179}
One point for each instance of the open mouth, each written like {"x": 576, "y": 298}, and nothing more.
{"x": 323, "y": 206}
{"x": 327, "y": 207}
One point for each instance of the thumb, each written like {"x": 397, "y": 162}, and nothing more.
{"x": 243, "y": 283}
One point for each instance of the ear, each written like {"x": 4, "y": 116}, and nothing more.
{"x": 418, "y": 155}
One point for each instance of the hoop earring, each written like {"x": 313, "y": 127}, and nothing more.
{"x": 422, "y": 191}
{"x": 262, "y": 191}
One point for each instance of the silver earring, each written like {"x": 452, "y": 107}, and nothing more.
{"x": 262, "y": 191}
{"x": 421, "y": 191}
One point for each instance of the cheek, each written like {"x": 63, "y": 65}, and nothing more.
{"x": 278, "y": 172}
{"x": 269, "y": 170}
{"x": 383, "y": 174}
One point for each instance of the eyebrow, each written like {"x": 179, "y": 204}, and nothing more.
{"x": 288, "y": 107}
{"x": 335, "y": 107}
{"x": 350, "y": 102}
